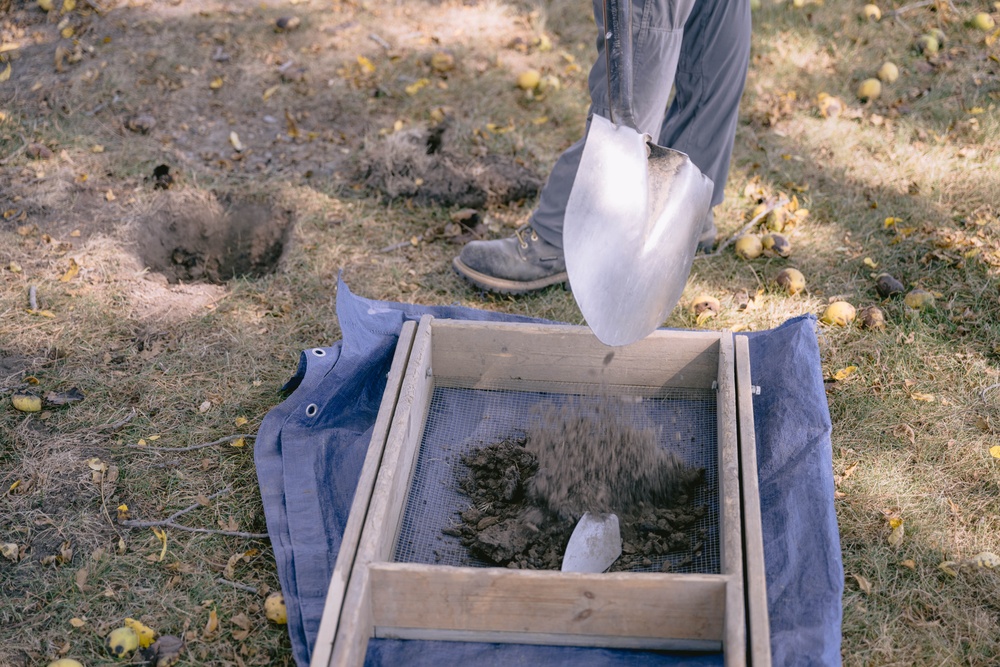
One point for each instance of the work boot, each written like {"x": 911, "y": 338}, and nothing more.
{"x": 516, "y": 265}
{"x": 706, "y": 242}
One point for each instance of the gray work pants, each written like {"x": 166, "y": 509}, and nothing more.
{"x": 700, "y": 46}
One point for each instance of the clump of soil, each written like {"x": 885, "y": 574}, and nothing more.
{"x": 412, "y": 165}
{"x": 528, "y": 493}
{"x": 193, "y": 236}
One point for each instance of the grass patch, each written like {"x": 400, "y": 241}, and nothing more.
{"x": 183, "y": 363}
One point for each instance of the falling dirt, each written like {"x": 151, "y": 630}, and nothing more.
{"x": 193, "y": 236}
{"x": 527, "y": 493}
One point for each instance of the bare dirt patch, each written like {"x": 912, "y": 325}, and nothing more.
{"x": 528, "y": 493}
{"x": 194, "y": 236}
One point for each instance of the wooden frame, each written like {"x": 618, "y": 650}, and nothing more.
{"x": 381, "y": 598}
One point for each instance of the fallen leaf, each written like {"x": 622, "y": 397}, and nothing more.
{"x": 367, "y": 66}
{"x": 212, "y": 626}
{"x": 166, "y": 651}
{"x": 162, "y": 536}
{"x": 109, "y": 196}
{"x": 870, "y": 263}
{"x": 77, "y": 622}
{"x": 909, "y": 564}
{"x": 995, "y": 451}
{"x": 239, "y": 442}
{"x": 949, "y": 567}
{"x": 71, "y": 272}
{"x": 145, "y": 633}
{"x": 240, "y": 421}
{"x": 216, "y": 83}
{"x": 243, "y": 622}
{"x": 205, "y": 406}
{"x": 291, "y": 127}
{"x": 97, "y": 464}
{"x": 81, "y": 580}
{"x": 896, "y": 536}
{"x": 68, "y": 397}
{"x": 234, "y": 139}
{"x": 10, "y": 551}
{"x": 905, "y": 431}
{"x": 123, "y": 513}
{"x": 844, "y": 373}
{"x": 270, "y": 91}
{"x": 417, "y": 86}
{"x": 863, "y": 584}
{"x": 920, "y": 396}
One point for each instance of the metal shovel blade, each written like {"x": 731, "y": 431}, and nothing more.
{"x": 632, "y": 224}
{"x": 595, "y": 544}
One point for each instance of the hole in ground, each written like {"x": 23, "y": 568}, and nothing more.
{"x": 194, "y": 236}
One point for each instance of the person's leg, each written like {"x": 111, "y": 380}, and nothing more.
{"x": 533, "y": 258}
{"x": 657, "y": 35}
{"x": 711, "y": 75}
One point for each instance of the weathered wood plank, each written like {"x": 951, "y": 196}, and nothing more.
{"x": 488, "y": 353}
{"x": 759, "y": 628}
{"x": 636, "y": 605}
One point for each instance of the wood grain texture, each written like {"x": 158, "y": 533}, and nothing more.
{"x": 759, "y": 629}
{"x": 509, "y": 355}
{"x": 385, "y": 510}
{"x": 730, "y": 515}
{"x": 638, "y": 605}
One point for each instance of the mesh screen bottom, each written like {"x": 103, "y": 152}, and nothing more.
{"x": 460, "y": 420}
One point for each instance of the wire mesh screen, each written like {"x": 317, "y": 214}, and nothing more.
{"x": 460, "y": 420}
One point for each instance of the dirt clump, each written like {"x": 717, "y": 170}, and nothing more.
{"x": 413, "y": 165}
{"x": 528, "y": 492}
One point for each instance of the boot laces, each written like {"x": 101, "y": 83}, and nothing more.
{"x": 521, "y": 232}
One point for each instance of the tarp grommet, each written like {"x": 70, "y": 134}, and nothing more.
{"x": 311, "y": 410}
{"x": 319, "y": 352}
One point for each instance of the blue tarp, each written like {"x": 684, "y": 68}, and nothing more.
{"x": 310, "y": 449}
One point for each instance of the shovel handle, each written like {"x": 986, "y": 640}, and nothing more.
{"x": 618, "y": 55}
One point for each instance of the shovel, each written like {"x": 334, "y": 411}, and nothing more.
{"x": 634, "y": 213}
{"x": 595, "y": 544}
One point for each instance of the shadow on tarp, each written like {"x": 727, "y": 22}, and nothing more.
{"x": 310, "y": 449}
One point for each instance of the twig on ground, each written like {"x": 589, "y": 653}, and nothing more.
{"x": 170, "y": 523}
{"x": 381, "y": 42}
{"x": 401, "y": 244}
{"x": 913, "y": 5}
{"x": 104, "y": 506}
{"x": 33, "y": 297}
{"x": 114, "y": 426}
{"x": 747, "y": 227}
{"x": 242, "y": 587}
{"x": 228, "y": 438}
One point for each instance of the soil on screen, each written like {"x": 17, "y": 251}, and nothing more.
{"x": 527, "y": 493}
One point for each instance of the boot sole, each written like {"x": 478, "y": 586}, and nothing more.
{"x": 503, "y": 286}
